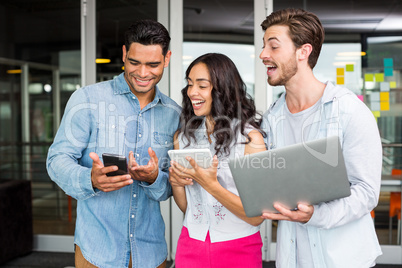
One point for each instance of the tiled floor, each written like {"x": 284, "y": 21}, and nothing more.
{"x": 62, "y": 260}
{"x": 59, "y": 224}
{"x": 66, "y": 260}
{"x": 51, "y": 215}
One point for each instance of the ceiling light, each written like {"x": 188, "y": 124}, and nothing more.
{"x": 351, "y": 54}
{"x": 47, "y": 88}
{"x": 384, "y": 39}
{"x": 391, "y": 22}
{"x": 15, "y": 71}
{"x": 99, "y": 61}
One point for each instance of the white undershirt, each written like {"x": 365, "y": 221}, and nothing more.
{"x": 296, "y": 129}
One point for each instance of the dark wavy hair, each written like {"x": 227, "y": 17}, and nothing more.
{"x": 230, "y": 100}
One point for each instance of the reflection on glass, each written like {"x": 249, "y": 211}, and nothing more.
{"x": 241, "y": 55}
{"x": 43, "y": 39}
{"x": 383, "y": 87}
{"x": 339, "y": 64}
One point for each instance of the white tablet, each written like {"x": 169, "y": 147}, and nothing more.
{"x": 203, "y": 157}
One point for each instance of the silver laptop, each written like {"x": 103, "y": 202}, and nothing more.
{"x": 310, "y": 172}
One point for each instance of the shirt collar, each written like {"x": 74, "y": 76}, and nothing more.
{"x": 121, "y": 87}
{"x": 201, "y": 131}
{"x": 331, "y": 93}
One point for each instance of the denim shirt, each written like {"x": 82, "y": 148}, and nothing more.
{"x": 341, "y": 232}
{"x": 106, "y": 118}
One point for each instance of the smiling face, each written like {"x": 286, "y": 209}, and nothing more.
{"x": 279, "y": 55}
{"x": 143, "y": 67}
{"x": 200, "y": 89}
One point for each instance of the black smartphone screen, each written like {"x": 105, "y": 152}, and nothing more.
{"x": 115, "y": 160}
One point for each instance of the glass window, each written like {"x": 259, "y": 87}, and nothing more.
{"x": 242, "y": 55}
{"x": 383, "y": 83}
{"x": 338, "y": 63}
{"x": 207, "y": 29}
{"x": 45, "y": 37}
{"x": 112, "y": 19}
{"x": 38, "y": 35}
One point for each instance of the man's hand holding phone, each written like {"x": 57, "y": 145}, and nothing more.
{"x": 102, "y": 181}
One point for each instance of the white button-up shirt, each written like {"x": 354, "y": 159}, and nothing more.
{"x": 204, "y": 213}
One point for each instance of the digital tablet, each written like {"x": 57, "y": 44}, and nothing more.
{"x": 202, "y": 157}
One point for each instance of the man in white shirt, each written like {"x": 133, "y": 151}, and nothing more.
{"x": 339, "y": 233}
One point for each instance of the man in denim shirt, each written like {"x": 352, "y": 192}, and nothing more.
{"x": 119, "y": 223}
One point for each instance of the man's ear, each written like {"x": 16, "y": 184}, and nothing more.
{"x": 167, "y": 58}
{"x": 124, "y": 53}
{"x": 304, "y": 51}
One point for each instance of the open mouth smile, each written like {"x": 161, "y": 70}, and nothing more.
{"x": 270, "y": 68}
{"x": 142, "y": 82}
{"x": 197, "y": 103}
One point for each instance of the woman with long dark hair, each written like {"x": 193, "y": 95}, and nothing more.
{"x": 217, "y": 114}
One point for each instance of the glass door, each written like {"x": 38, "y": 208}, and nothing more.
{"x": 39, "y": 54}
{"x": 383, "y": 94}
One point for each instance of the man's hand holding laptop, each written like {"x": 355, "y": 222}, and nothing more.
{"x": 302, "y": 214}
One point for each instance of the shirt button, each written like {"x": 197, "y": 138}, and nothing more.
{"x": 138, "y": 155}
{"x": 133, "y": 98}
{"x": 131, "y": 235}
{"x": 113, "y": 126}
{"x": 140, "y": 115}
{"x": 134, "y": 195}
{"x": 291, "y": 240}
{"x": 139, "y": 135}
{"x": 132, "y": 216}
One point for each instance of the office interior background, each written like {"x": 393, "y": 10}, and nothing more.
{"x": 50, "y": 48}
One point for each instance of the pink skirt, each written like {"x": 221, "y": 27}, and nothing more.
{"x": 244, "y": 252}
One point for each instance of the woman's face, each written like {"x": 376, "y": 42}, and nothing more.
{"x": 200, "y": 89}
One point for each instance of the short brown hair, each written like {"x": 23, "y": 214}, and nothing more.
{"x": 304, "y": 28}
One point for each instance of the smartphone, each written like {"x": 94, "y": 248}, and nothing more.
{"x": 202, "y": 157}
{"x": 115, "y": 160}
